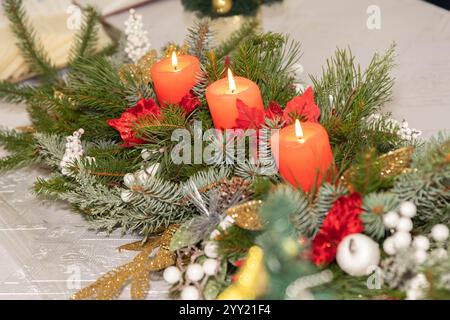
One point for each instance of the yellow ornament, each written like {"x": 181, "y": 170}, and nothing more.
{"x": 251, "y": 280}
{"x": 222, "y": 6}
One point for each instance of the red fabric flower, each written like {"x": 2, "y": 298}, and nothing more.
{"x": 342, "y": 220}
{"x": 189, "y": 102}
{"x": 249, "y": 117}
{"x": 125, "y": 124}
{"x": 302, "y": 107}
{"x": 274, "y": 110}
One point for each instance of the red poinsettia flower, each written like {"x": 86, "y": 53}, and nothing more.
{"x": 127, "y": 121}
{"x": 249, "y": 117}
{"x": 189, "y": 102}
{"x": 302, "y": 107}
{"x": 342, "y": 220}
{"x": 274, "y": 110}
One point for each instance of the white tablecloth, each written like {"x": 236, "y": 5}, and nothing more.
{"x": 46, "y": 250}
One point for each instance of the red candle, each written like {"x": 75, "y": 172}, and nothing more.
{"x": 174, "y": 77}
{"x": 222, "y": 95}
{"x": 302, "y": 153}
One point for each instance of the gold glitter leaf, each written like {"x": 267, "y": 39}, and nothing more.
{"x": 135, "y": 272}
{"x": 392, "y": 164}
{"x": 246, "y": 215}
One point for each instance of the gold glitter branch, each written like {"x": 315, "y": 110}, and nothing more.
{"x": 136, "y": 272}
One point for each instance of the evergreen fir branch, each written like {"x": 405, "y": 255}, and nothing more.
{"x": 53, "y": 186}
{"x": 354, "y": 92}
{"x": 21, "y": 148}
{"x": 280, "y": 241}
{"x": 268, "y": 59}
{"x": 375, "y": 205}
{"x": 348, "y": 96}
{"x": 157, "y": 130}
{"x": 200, "y": 40}
{"x": 31, "y": 49}
{"x": 428, "y": 184}
{"x": 51, "y": 148}
{"x": 15, "y": 93}
{"x": 204, "y": 181}
{"x": 90, "y": 79}
{"x": 87, "y": 37}
{"x": 310, "y": 214}
{"x": 248, "y": 29}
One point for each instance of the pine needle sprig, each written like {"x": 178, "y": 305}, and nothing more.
{"x": 32, "y": 51}
{"x": 86, "y": 39}
{"x": 15, "y": 93}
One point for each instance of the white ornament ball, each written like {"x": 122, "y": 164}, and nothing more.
{"x": 141, "y": 177}
{"x": 145, "y": 154}
{"x": 357, "y": 254}
{"x": 389, "y": 246}
{"x": 190, "y": 293}
{"x": 404, "y": 224}
{"x": 194, "y": 272}
{"x": 402, "y": 240}
{"x": 126, "y": 196}
{"x": 129, "y": 180}
{"x": 172, "y": 275}
{"x": 210, "y": 267}
{"x": 390, "y": 219}
{"x": 408, "y": 209}
{"x": 421, "y": 243}
{"x": 439, "y": 232}
{"x": 211, "y": 250}
{"x": 420, "y": 256}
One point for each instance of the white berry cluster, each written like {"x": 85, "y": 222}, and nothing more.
{"x": 297, "y": 71}
{"x": 403, "y": 131}
{"x": 137, "y": 180}
{"x": 73, "y": 152}
{"x": 402, "y": 239}
{"x": 137, "y": 44}
{"x": 407, "y": 133}
{"x": 189, "y": 280}
{"x": 401, "y": 242}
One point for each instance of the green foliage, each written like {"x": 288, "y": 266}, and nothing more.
{"x": 234, "y": 243}
{"x": 308, "y": 214}
{"x": 356, "y": 95}
{"x": 375, "y": 205}
{"x": 427, "y": 186}
{"x": 87, "y": 37}
{"x": 15, "y": 93}
{"x": 367, "y": 174}
{"x": 21, "y": 148}
{"x": 280, "y": 244}
{"x": 248, "y": 30}
{"x": 345, "y": 287}
{"x": 32, "y": 51}
{"x": 245, "y": 7}
{"x": 268, "y": 59}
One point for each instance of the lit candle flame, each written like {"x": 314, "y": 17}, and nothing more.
{"x": 231, "y": 82}
{"x": 174, "y": 60}
{"x": 299, "y": 131}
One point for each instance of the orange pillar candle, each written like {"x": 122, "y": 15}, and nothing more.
{"x": 222, "y": 95}
{"x": 174, "y": 77}
{"x": 302, "y": 153}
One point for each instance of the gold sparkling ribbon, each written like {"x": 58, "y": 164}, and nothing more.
{"x": 136, "y": 272}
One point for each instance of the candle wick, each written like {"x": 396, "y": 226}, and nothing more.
{"x": 233, "y": 90}
{"x": 301, "y": 140}
{"x": 175, "y": 68}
